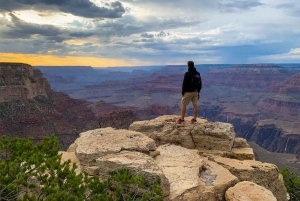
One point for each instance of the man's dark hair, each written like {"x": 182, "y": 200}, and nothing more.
{"x": 190, "y": 64}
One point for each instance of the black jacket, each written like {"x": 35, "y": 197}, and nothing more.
{"x": 186, "y": 84}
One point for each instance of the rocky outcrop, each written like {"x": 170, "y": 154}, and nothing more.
{"x": 201, "y": 135}
{"x": 187, "y": 171}
{"x": 20, "y": 82}
{"x": 249, "y": 191}
{"x": 263, "y": 174}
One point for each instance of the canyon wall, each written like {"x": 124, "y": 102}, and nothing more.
{"x": 30, "y": 108}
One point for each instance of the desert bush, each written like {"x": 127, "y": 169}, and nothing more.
{"x": 292, "y": 183}
{"x": 30, "y": 172}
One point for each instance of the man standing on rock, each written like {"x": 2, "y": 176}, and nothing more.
{"x": 191, "y": 87}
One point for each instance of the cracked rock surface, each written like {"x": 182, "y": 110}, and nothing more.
{"x": 263, "y": 174}
{"x": 100, "y": 142}
{"x": 191, "y": 176}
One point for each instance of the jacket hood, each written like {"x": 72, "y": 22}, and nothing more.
{"x": 192, "y": 69}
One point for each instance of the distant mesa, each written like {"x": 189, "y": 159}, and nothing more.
{"x": 256, "y": 66}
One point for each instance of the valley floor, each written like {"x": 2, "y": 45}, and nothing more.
{"x": 282, "y": 160}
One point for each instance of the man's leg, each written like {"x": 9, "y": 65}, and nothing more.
{"x": 195, "y": 111}
{"x": 183, "y": 111}
{"x": 195, "y": 101}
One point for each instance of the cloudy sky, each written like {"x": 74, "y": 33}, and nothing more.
{"x": 149, "y": 32}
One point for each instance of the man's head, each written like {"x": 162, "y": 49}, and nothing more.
{"x": 190, "y": 64}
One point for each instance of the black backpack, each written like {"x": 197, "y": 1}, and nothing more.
{"x": 196, "y": 81}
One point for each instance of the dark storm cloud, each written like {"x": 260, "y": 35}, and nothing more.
{"x": 146, "y": 35}
{"x": 129, "y": 25}
{"x": 21, "y": 29}
{"x": 83, "y": 8}
{"x": 162, "y": 34}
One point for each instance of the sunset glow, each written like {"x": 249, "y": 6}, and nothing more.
{"x": 50, "y": 60}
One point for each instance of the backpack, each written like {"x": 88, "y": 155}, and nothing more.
{"x": 196, "y": 81}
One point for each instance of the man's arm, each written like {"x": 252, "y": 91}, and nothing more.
{"x": 200, "y": 87}
{"x": 184, "y": 84}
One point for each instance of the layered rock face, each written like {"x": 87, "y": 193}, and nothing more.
{"x": 29, "y": 108}
{"x": 200, "y": 161}
{"x": 248, "y": 76}
{"x": 109, "y": 115}
{"x": 20, "y": 82}
{"x": 268, "y": 116}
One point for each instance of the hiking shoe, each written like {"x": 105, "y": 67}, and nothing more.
{"x": 179, "y": 121}
{"x": 193, "y": 120}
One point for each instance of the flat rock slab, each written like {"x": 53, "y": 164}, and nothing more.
{"x": 242, "y": 153}
{"x": 192, "y": 177}
{"x": 263, "y": 174}
{"x": 137, "y": 163}
{"x": 199, "y": 135}
{"x": 100, "y": 142}
{"x": 182, "y": 168}
{"x": 249, "y": 191}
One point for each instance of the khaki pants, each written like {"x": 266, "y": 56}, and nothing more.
{"x": 190, "y": 96}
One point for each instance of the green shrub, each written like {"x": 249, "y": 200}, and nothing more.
{"x": 30, "y": 172}
{"x": 292, "y": 184}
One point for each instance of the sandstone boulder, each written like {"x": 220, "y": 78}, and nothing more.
{"x": 240, "y": 143}
{"x": 263, "y": 174}
{"x": 192, "y": 177}
{"x": 72, "y": 148}
{"x": 99, "y": 142}
{"x": 72, "y": 157}
{"x": 248, "y": 191}
{"x": 200, "y": 135}
{"x": 137, "y": 163}
{"x": 216, "y": 136}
